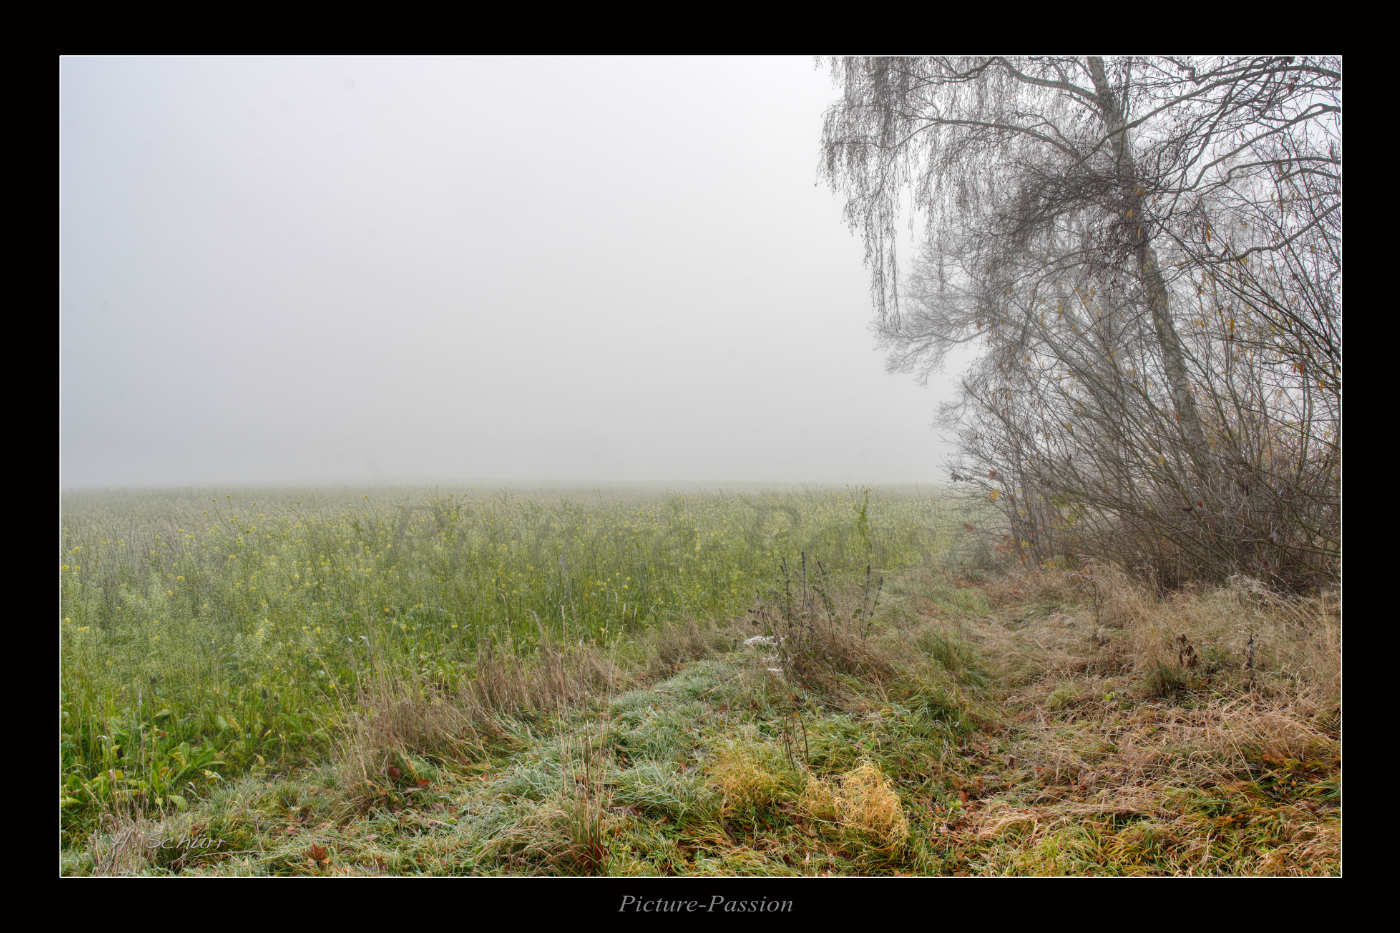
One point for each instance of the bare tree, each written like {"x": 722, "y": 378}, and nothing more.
{"x": 1147, "y": 250}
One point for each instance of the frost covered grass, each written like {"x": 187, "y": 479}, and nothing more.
{"x": 207, "y": 635}
{"x": 1048, "y": 722}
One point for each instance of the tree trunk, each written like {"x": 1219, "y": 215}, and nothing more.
{"x": 1150, "y": 273}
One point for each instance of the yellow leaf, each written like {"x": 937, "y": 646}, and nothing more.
{"x": 992, "y": 496}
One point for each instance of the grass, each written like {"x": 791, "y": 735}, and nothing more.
{"x": 1039, "y": 723}
{"x": 204, "y": 637}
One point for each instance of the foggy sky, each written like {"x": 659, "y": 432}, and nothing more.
{"x": 339, "y": 270}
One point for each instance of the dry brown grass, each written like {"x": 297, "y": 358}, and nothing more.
{"x": 824, "y": 641}
{"x": 553, "y": 678}
{"x": 1022, "y": 585}
{"x": 1286, "y": 650}
{"x": 1146, "y": 732}
{"x": 671, "y": 646}
{"x": 861, "y": 802}
{"x": 124, "y": 844}
{"x": 393, "y": 721}
{"x": 1240, "y": 635}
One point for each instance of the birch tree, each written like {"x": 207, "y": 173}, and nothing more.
{"x": 1146, "y": 250}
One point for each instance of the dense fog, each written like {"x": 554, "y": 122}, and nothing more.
{"x": 443, "y": 269}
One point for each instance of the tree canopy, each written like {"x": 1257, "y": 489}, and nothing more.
{"x": 1147, "y": 252}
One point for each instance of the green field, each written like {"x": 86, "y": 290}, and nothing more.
{"x": 479, "y": 682}
{"x": 206, "y": 633}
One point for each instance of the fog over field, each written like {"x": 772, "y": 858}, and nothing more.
{"x": 370, "y": 270}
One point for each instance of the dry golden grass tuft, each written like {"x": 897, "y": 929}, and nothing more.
{"x": 861, "y": 802}
{"x": 746, "y": 777}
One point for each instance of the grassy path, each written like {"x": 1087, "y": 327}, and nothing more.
{"x": 1046, "y": 724}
